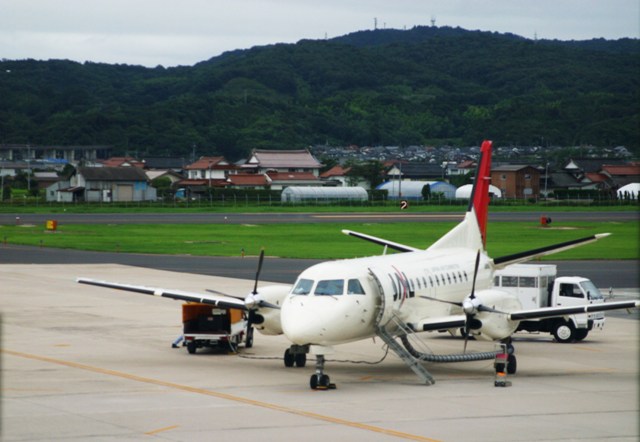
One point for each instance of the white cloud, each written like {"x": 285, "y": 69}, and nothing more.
{"x": 152, "y": 32}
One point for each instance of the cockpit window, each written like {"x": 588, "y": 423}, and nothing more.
{"x": 330, "y": 287}
{"x": 354, "y": 287}
{"x": 303, "y": 287}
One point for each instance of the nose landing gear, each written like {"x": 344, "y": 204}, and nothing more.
{"x": 319, "y": 380}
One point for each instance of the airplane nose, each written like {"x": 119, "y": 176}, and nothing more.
{"x": 324, "y": 320}
{"x": 304, "y": 322}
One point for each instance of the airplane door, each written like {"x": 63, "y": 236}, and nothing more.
{"x": 391, "y": 292}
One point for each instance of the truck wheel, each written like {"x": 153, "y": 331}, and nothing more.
{"x": 581, "y": 334}
{"x": 191, "y": 347}
{"x": 564, "y": 332}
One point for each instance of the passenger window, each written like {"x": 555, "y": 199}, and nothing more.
{"x": 303, "y": 287}
{"x": 509, "y": 281}
{"x": 330, "y": 287}
{"x": 354, "y": 287}
{"x": 496, "y": 281}
{"x": 430, "y": 281}
{"x": 454, "y": 278}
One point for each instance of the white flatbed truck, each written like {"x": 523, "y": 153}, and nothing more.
{"x": 537, "y": 285}
{"x": 208, "y": 326}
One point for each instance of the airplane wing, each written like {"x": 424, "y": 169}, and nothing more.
{"x": 203, "y": 298}
{"x": 504, "y": 261}
{"x": 383, "y": 242}
{"x": 549, "y": 312}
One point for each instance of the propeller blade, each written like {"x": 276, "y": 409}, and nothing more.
{"x": 467, "y": 331}
{"x": 255, "y": 286}
{"x": 475, "y": 275}
{"x": 266, "y": 304}
{"x": 459, "y": 304}
{"x": 482, "y": 308}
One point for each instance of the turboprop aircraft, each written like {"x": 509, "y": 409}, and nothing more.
{"x": 447, "y": 286}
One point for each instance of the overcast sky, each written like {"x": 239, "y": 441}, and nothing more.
{"x": 184, "y": 32}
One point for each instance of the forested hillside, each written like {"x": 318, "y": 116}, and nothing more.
{"x": 425, "y": 85}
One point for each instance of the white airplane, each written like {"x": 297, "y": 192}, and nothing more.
{"x": 448, "y": 286}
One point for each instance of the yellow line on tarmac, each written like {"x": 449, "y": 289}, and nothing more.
{"x": 230, "y": 397}
{"x": 161, "y": 430}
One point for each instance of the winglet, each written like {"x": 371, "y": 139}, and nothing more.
{"x": 480, "y": 196}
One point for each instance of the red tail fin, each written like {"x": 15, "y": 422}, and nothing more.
{"x": 480, "y": 196}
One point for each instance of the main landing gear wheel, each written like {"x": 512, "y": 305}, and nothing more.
{"x": 290, "y": 358}
{"x": 248, "y": 341}
{"x": 564, "y": 332}
{"x": 512, "y": 364}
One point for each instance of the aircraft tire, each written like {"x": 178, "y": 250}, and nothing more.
{"x": 288, "y": 358}
{"x": 300, "y": 360}
{"x": 313, "y": 382}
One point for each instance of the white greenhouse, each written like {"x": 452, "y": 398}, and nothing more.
{"x": 464, "y": 192}
{"x": 631, "y": 190}
{"x": 295, "y": 194}
{"x": 413, "y": 189}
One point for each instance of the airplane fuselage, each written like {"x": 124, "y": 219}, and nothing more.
{"x": 346, "y": 300}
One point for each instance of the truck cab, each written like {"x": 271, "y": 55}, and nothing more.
{"x": 537, "y": 286}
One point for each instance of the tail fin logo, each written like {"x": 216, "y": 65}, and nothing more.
{"x": 480, "y": 195}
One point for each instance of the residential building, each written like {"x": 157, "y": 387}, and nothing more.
{"x": 517, "y": 181}
{"x": 283, "y": 161}
{"x": 103, "y": 184}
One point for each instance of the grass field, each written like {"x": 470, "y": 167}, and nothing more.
{"x": 321, "y": 241}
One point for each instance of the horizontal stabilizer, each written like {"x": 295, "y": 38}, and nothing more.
{"x": 550, "y": 312}
{"x": 382, "y": 242}
{"x": 203, "y": 298}
{"x": 504, "y": 261}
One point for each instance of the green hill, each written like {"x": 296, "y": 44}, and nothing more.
{"x": 424, "y": 85}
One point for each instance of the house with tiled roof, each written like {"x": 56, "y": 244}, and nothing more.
{"x": 248, "y": 181}
{"x": 122, "y": 162}
{"x": 621, "y": 174}
{"x": 281, "y": 180}
{"x": 336, "y": 176}
{"x": 206, "y": 172}
{"x": 282, "y": 161}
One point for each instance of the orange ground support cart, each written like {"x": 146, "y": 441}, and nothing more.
{"x": 205, "y": 325}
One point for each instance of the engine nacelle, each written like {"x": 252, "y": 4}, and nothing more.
{"x": 495, "y": 326}
{"x": 268, "y": 319}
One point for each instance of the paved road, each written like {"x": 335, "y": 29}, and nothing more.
{"x": 86, "y": 363}
{"x": 617, "y": 274}
{"x": 270, "y": 218}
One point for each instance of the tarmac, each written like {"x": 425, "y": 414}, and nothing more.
{"x": 87, "y": 363}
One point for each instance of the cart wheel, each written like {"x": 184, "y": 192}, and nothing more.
{"x": 191, "y": 347}
{"x": 248, "y": 342}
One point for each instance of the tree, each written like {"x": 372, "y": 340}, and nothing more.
{"x": 370, "y": 171}
{"x": 426, "y": 192}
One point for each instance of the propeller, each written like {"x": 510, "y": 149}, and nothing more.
{"x": 470, "y": 306}
{"x": 252, "y": 300}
